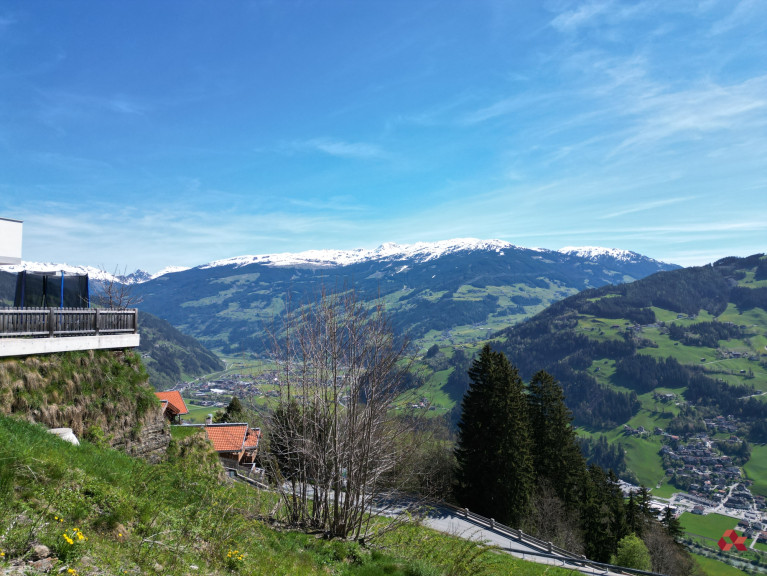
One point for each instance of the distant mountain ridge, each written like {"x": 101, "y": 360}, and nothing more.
{"x": 454, "y": 291}
{"x": 419, "y": 252}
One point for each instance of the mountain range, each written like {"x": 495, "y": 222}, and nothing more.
{"x": 454, "y": 291}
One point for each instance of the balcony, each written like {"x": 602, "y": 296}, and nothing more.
{"x": 25, "y": 331}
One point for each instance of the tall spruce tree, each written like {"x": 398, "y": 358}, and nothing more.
{"x": 494, "y": 473}
{"x": 557, "y": 458}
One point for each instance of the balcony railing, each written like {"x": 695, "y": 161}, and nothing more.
{"x": 54, "y": 322}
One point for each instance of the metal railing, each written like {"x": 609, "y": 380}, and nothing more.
{"x": 55, "y": 322}
{"x": 547, "y": 549}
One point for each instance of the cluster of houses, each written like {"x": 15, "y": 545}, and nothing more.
{"x": 699, "y": 468}
{"x": 235, "y": 442}
{"x": 722, "y": 425}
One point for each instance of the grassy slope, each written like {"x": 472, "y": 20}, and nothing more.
{"x": 181, "y": 513}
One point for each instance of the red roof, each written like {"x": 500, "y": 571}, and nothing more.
{"x": 175, "y": 401}
{"x": 227, "y": 437}
{"x": 251, "y": 440}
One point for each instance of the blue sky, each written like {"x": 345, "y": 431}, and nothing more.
{"x": 146, "y": 134}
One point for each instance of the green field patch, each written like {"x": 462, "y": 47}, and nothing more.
{"x": 217, "y": 298}
{"x": 601, "y": 329}
{"x": 668, "y": 347}
{"x": 603, "y": 370}
{"x": 713, "y": 567}
{"x": 197, "y": 414}
{"x": 643, "y": 459}
{"x": 754, "y": 317}
{"x": 756, "y": 469}
{"x": 709, "y": 526}
{"x": 239, "y": 280}
{"x": 668, "y": 316}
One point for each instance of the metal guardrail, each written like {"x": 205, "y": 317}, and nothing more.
{"x": 54, "y": 322}
{"x": 548, "y": 549}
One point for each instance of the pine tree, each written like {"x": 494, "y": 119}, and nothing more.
{"x": 557, "y": 458}
{"x": 493, "y": 452}
{"x": 233, "y": 413}
{"x": 672, "y": 524}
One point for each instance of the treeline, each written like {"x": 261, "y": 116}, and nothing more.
{"x": 518, "y": 461}
{"x": 553, "y": 345}
{"x": 705, "y": 334}
{"x": 644, "y": 373}
{"x": 607, "y": 456}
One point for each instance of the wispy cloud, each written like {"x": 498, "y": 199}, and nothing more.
{"x": 58, "y": 106}
{"x": 583, "y": 14}
{"x": 704, "y": 109}
{"x": 339, "y": 148}
{"x": 745, "y": 11}
{"x": 646, "y": 206}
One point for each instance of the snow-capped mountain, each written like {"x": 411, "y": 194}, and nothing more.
{"x": 419, "y": 252}
{"x": 597, "y": 253}
{"x": 475, "y": 285}
{"x": 51, "y": 267}
{"x": 97, "y": 274}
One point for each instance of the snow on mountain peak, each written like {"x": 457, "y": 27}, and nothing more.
{"x": 50, "y": 267}
{"x": 597, "y": 252}
{"x": 421, "y": 251}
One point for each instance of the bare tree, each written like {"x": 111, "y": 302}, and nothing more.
{"x": 115, "y": 294}
{"x": 333, "y": 436}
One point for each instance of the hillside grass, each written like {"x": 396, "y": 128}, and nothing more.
{"x": 710, "y": 526}
{"x": 756, "y": 469}
{"x": 137, "y": 518}
{"x": 713, "y": 567}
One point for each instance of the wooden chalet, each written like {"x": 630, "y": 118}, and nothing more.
{"x": 236, "y": 443}
{"x": 173, "y": 405}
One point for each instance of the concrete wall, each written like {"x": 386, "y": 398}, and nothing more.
{"x": 10, "y": 241}
{"x": 29, "y": 346}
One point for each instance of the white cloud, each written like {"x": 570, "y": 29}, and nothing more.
{"x": 339, "y": 148}
{"x": 646, "y": 206}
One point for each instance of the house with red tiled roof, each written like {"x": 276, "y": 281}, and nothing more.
{"x": 236, "y": 443}
{"x": 173, "y": 405}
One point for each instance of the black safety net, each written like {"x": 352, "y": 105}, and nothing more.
{"x": 51, "y": 290}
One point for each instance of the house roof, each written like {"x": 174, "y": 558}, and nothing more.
{"x": 227, "y": 437}
{"x": 251, "y": 440}
{"x": 174, "y": 400}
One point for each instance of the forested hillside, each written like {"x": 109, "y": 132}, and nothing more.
{"x": 680, "y": 329}
{"x": 169, "y": 355}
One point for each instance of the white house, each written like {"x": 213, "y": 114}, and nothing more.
{"x": 10, "y": 241}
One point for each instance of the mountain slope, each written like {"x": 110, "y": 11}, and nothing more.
{"x": 453, "y": 291}
{"x": 672, "y": 351}
{"x": 170, "y": 355}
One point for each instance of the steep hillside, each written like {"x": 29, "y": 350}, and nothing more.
{"x": 102, "y": 395}
{"x": 169, "y": 355}
{"x": 673, "y": 351}
{"x": 451, "y": 292}
{"x": 92, "y": 511}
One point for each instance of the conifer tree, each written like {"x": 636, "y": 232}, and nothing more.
{"x": 672, "y": 524}
{"x": 494, "y": 473}
{"x": 557, "y": 458}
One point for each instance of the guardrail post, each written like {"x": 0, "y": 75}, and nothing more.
{"x": 520, "y": 535}
{"x": 465, "y": 512}
{"x": 550, "y": 548}
{"x": 492, "y": 524}
{"x": 98, "y": 313}
{"x": 135, "y": 320}
{"x": 51, "y": 322}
